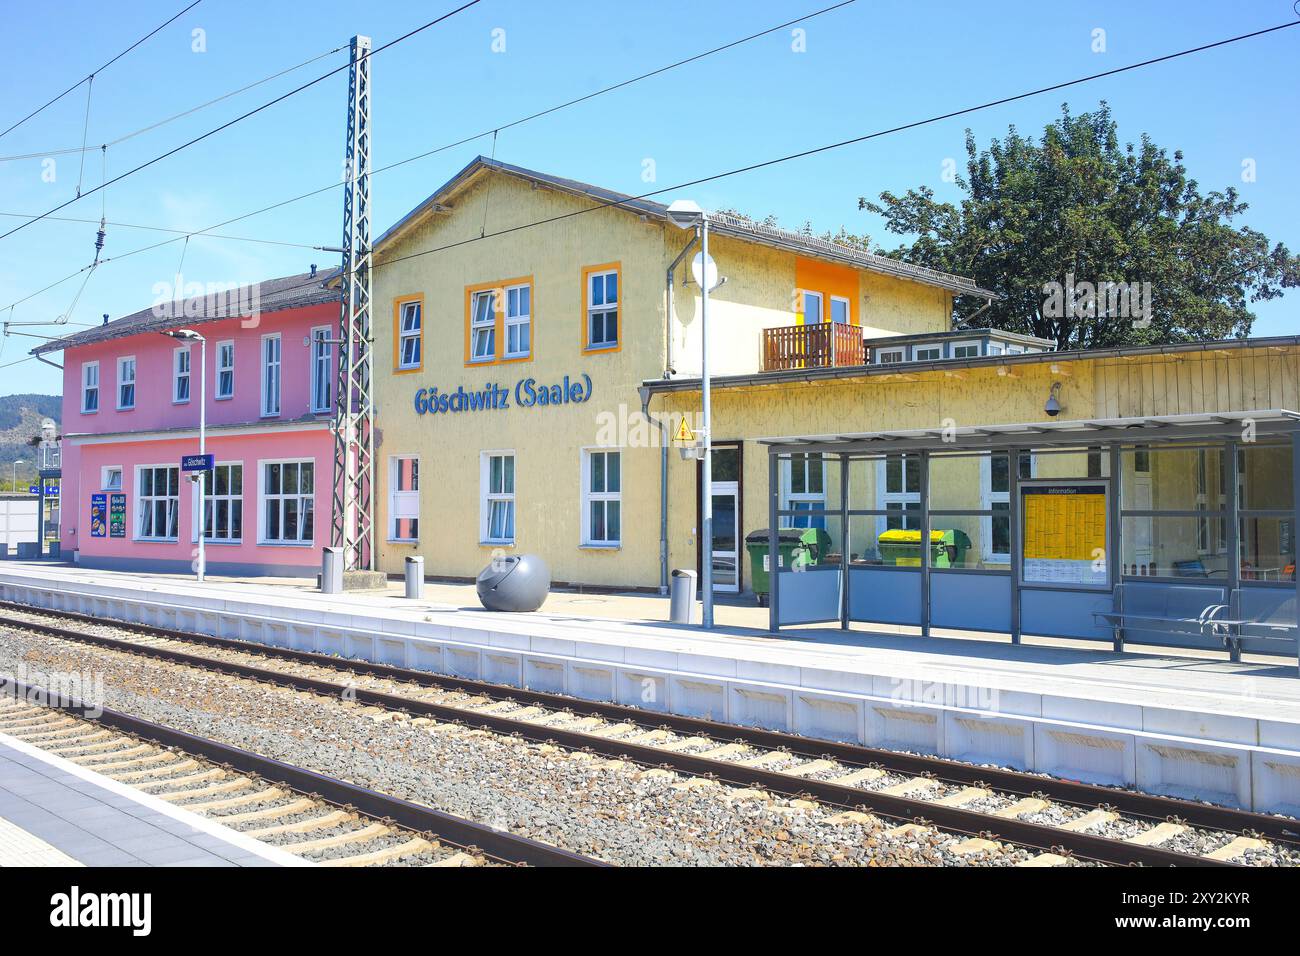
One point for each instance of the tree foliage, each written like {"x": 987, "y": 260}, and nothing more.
{"x": 1078, "y": 203}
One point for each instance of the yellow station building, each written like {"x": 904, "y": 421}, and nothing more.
{"x": 533, "y": 317}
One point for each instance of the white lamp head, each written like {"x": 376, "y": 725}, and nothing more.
{"x": 685, "y": 213}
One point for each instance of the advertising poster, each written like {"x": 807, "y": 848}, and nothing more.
{"x": 1065, "y": 533}
{"x": 117, "y": 516}
{"x": 98, "y": 515}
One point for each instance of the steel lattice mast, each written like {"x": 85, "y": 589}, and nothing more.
{"x": 354, "y": 451}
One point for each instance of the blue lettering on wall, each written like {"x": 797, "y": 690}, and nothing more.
{"x": 528, "y": 393}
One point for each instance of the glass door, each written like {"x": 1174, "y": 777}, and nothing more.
{"x": 726, "y": 540}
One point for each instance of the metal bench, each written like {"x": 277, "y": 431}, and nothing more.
{"x": 1212, "y": 613}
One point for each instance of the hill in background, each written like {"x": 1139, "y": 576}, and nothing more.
{"x": 20, "y": 421}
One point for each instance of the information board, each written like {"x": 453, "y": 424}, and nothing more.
{"x": 1064, "y": 533}
{"x": 98, "y": 515}
{"x": 117, "y": 516}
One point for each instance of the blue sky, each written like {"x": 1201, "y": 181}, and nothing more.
{"x": 871, "y": 65}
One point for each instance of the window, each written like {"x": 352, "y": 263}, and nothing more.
{"x": 157, "y": 502}
{"x": 288, "y": 502}
{"x": 995, "y": 479}
{"x": 927, "y": 353}
{"x": 126, "y": 382}
{"x": 223, "y": 503}
{"x": 499, "y": 322}
{"x": 483, "y": 325}
{"x": 498, "y": 508}
{"x": 321, "y": 368}
{"x": 181, "y": 375}
{"x": 965, "y": 350}
{"x": 602, "y": 308}
{"x": 995, "y": 348}
{"x": 602, "y": 498}
{"x": 839, "y": 309}
{"x": 90, "y": 387}
{"x": 519, "y": 321}
{"x": 901, "y": 492}
{"x": 110, "y": 478}
{"x": 889, "y": 356}
{"x": 404, "y": 498}
{"x": 270, "y": 375}
{"x": 410, "y": 334}
{"x": 225, "y": 370}
{"x": 812, "y": 308}
{"x": 805, "y": 484}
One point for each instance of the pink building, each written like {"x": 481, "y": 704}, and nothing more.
{"x": 131, "y": 411}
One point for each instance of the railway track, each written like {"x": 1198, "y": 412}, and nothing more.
{"x": 1060, "y": 818}
{"x": 327, "y": 821}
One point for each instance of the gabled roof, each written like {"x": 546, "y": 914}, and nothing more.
{"x": 272, "y": 295}
{"x": 719, "y": 224}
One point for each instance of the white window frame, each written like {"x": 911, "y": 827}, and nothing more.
{"x": 804, "y": 296}
{"x": 848, "y": 309}
{"x": 519, "y": 320}
{"x": 968, "y": 343}
{"x": 88, "y": 386}
{"x": 263, "y": 465}
{"x": 1015, "y": 350}
{"x": 478, "y": 325}
{"x": 182, "y": 369}
{"x": 210, "y": 499}
{"x": 122, "y": 364}
{"x": 931, "y": 347}
{"x": 989, "y": 497}
{"x": 881, "y": 356}
{"x": 591, "y": 496}
{"x": 487, "y": 497}
{"x": 322, "y": 367}
{"x": 792, "y": 500}
{"x": 142, "y": 501}
{"x": 413, "y": 333}
{"x": 403, "y": 503}
{"x": 105, "y": 484}
{"x": 903, "y": 498}
{"x": 265, "y": 365}
{"x": 225, "y": 349}
{"x": 995, "y": 348}
{"x": 603, "y": 309}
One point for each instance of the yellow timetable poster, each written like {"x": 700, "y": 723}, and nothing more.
{"x": 1065, "y": 533}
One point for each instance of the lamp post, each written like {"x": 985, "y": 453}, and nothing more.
{"x": 189, "y": 335}
{"x": 686, "y": 214}
{"x": 14, "y": 481}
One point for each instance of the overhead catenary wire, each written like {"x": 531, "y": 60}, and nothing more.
{"x": 101, "y": 69}
{"x": 442, "y": 148}
{"x": 243, "y": 116}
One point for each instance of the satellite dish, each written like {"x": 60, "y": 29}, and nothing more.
{"x": 704, "y": 270}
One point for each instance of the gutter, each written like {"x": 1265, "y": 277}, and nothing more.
{"x": 987, "y": 361}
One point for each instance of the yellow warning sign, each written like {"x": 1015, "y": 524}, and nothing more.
{"x": 684, "y": 433}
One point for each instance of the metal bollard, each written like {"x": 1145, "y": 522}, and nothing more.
{"x": 415, "y": 577}
{"x": 331, "y": 571}
{"x": 681, "y": 597}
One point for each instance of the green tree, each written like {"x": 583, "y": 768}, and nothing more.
{"x": 1076, "y": 203}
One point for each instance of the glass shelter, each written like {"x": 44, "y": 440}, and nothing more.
{"x": 1172, "y": 530}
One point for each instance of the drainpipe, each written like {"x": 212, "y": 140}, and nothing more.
{"x": 669, "y": 371}
{"x": 42, "y": 358}
{"x": 663, "y": 484}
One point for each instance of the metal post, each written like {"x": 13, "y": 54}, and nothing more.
{"x": 1013, "y": 522}
{"x": 1295, "y": 513}
{"x": 923, "y": 459}
{"x": 706, "y": 549}
{"x": 773, "y": 540}
{"x": 1229, "y": 471}
{"x": 844, "y": 542}
{"x": 203, "y": 450}
{"x": 1116, "y": 539}
{"x": 352, "y": 514}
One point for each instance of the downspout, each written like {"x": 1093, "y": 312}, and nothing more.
{"x": 42, "y": 358}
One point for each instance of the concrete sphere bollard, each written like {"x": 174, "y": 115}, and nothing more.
{"x": 514, "y": 583}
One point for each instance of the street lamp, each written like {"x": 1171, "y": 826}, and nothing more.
{"x": 189, "y": 335}
{"x": 14, "y": 481}
{"x": 686, "y": 214}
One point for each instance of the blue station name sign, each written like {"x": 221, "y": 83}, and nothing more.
{"x": 526, "y": 393}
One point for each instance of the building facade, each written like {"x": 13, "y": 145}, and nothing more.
{"x": 131, "y": 404}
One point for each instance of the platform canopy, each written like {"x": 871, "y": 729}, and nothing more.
{"x": 1140, "y": 430}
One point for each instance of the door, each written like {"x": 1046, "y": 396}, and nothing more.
{"x": 1140, "y": 485}
{"x": 725, "y": 550}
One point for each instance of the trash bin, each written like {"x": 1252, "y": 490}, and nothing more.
{"x": 415, "y": 577}
{"x": 788, "y": 542}
{"x": 514, "y": 583}
{"x": 331, "y": 571}
{"x": 903, "y": 547}
{"x": 681, "y": 597}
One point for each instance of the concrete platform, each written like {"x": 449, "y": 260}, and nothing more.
{"x": 55, "y": 813}
{"x": 1188, "y": 725}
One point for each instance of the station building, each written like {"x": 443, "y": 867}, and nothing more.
{"x": 511, "y": 388}
{"x": 131, "y": 398}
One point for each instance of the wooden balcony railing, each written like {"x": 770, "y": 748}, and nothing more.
{"x": 825, "y": 345}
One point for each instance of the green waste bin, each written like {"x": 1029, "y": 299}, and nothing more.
{"x": 903, "y": 548}
{"x": 796, "y": 547}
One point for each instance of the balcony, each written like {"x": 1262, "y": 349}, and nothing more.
{"x": 825, "y": 345}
